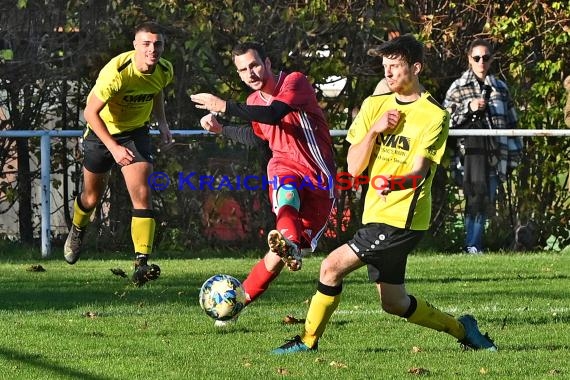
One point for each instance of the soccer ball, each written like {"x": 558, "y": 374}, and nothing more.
{"x": 222, "y": 297}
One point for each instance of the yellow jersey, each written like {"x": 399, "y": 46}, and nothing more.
{"x": 128, "y": 93}
{"x": 422, "y": 131}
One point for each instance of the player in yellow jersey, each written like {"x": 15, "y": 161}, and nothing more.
{"x": 398, "y": 138}
{"x": 128, "y": 91}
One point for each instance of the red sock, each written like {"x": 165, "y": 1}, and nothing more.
{"x": 257, "y": 281}
{"x": 288, "y": 223}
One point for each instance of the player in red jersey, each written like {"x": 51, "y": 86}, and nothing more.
{"x": 283, "y": 110}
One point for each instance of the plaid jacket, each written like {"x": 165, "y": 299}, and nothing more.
{"x": 501, "y": 111}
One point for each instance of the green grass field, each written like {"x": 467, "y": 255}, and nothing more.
{"x": 83, "y": 322}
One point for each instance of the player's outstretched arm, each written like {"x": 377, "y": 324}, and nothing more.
{"x": 209, "y": 102}
{"x": 270, "y": 114}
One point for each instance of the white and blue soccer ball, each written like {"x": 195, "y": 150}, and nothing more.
{"x": 222, "y": 297}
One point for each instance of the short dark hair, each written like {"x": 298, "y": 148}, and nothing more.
{"x": 149, "y": 27}
{"x": 243, "y": 47}
{"x": 479, "y": 42}
{"x": 405, "y": 47}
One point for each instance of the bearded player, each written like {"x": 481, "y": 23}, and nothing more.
{"x": 283, "y": 110}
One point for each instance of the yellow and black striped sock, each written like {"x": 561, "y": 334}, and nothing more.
{"x": 142, "y": 230}
{"x": 423, "y": 314}
{"x": 323, "y": 304}
{"x": 81, "y": 215}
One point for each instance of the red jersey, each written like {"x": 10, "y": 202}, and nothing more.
{"x": 301, "y": 142}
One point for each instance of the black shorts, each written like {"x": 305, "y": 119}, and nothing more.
{"x": 98, "y": 159}
{"x": 385, "y": 250}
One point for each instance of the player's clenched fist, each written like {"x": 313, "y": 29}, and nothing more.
{"x": 387, "y": 121}
{"x": 211, "y": 124}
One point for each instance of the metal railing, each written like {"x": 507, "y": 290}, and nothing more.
{"x": 45, "y": 154}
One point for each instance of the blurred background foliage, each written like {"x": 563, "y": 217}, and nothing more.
{"x": 51, "y": 52}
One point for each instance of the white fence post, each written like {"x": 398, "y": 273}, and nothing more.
{"x": 45, "y": 154}
{"x": 45, "y": 176}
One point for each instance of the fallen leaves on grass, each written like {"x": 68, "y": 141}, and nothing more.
{"x": 291, "y": 320}
{"x": 91, "y": 314}
{"x": 418, "y": 371}
{"x": 282, "y": 371}
{"x": 336, "y": 364}
{"x": 35, "y": 268}
{"x": 119, "y": 272}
